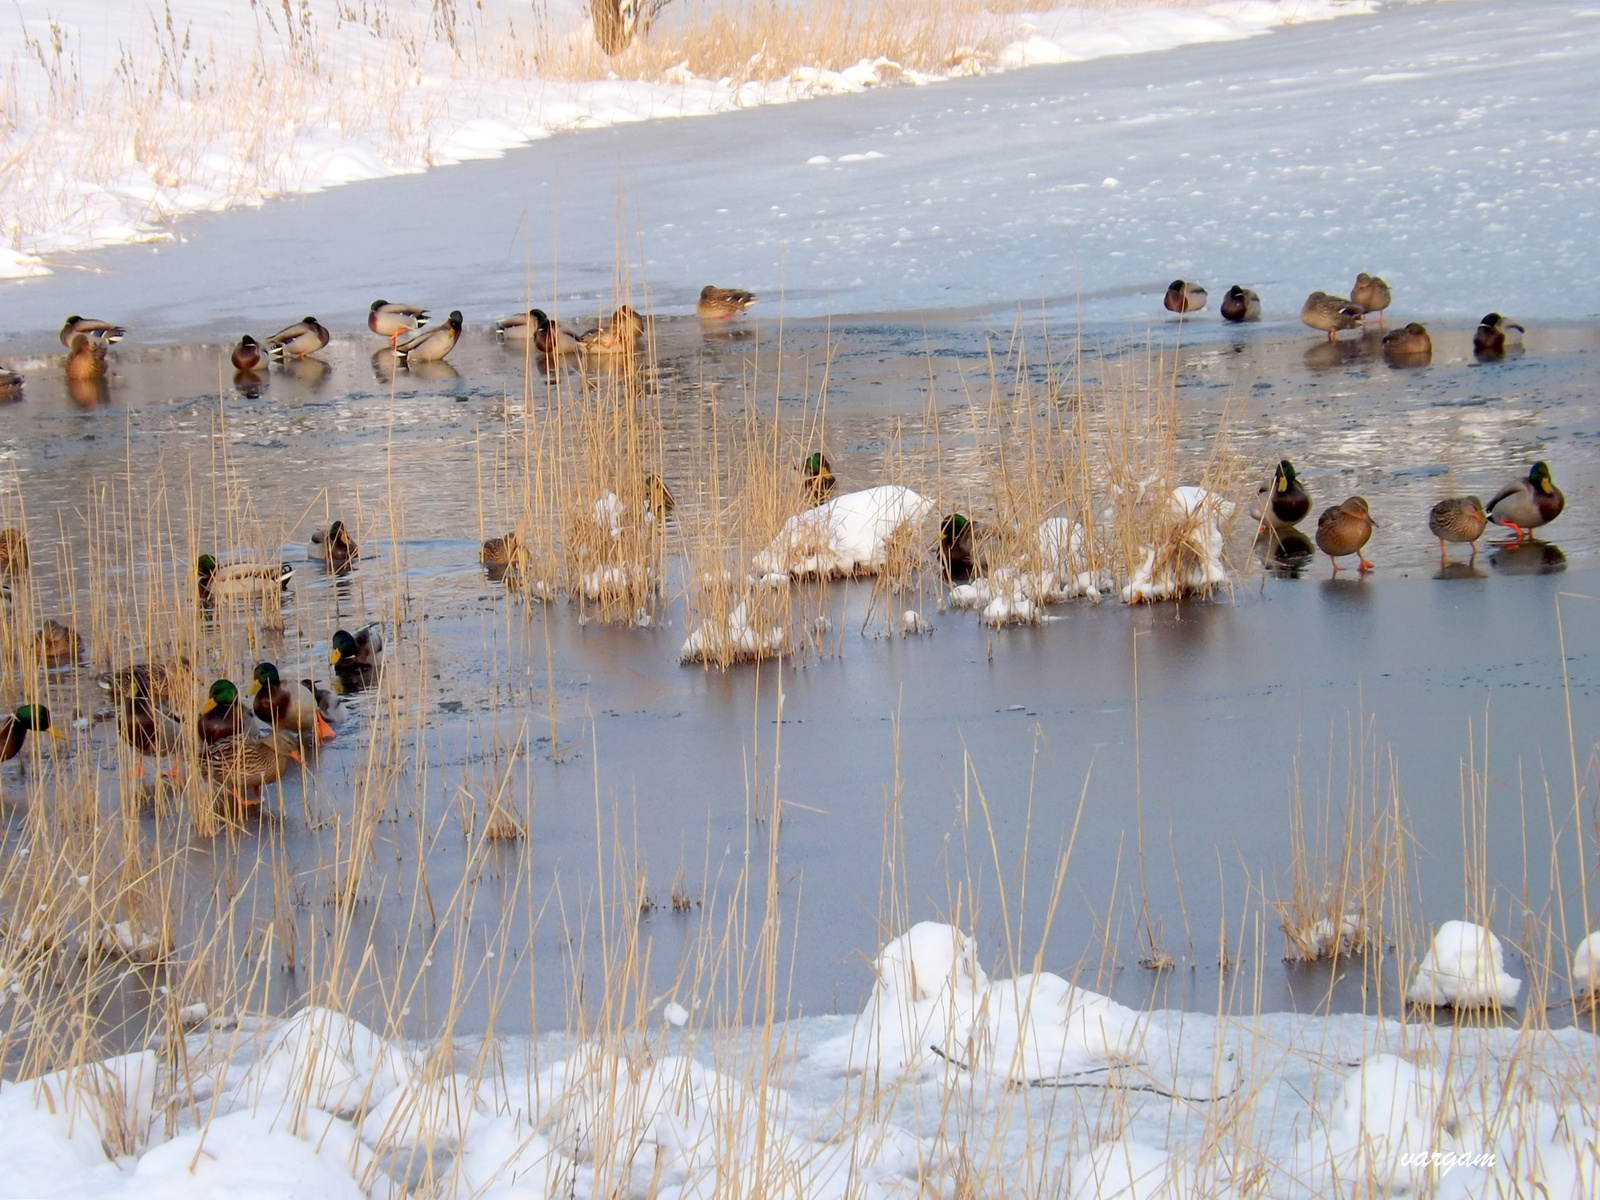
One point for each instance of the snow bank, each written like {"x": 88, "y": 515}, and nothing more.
{"x": 126, "y": 117}
{"x": 1190, "y": 561}
{"x": 891, "y": 1102}
{"x": 848, "y": 535}
{"x": 1464, "y": 968}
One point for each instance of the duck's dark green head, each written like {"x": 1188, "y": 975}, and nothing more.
{"x": 376, "y": 305}
{"x": 1285, "y": 477}
{"x": 816, "y": 464}
{"x": 222, "y": 696}
{"x": 308, "y": 320}
{"x": 247, "y": 340}
{"x": 73, "y": 319}
{"x": 338, "y": 535}
{"x": 343, "y": 647}
{"x": 266, "y": 675}
{"x": 1236, "y": 292}
{"x": 952, "y": 527}
{"x": 1540, "y": 478}
{"x": 1492, "y": 320}
{"x": 207, "y": 566}
{"x": 540, "y": 317}
{"x": 455, "y": 320}
{"x": 35, "y": 717}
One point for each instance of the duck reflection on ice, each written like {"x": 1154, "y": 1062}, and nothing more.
{"x": 1459, "y": 570}
{"x": 310, "y": 373}
{"x": 251, "y": 384}
{"x": 389, "y": 367}
{"x": 1531, "y": 557}
{"x": 1285, "y": 553}
{"x": 1342, "y": 352}
{"x": 90, "y": 393}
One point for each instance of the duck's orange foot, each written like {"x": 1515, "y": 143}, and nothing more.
{"x": 1365, "y": 565}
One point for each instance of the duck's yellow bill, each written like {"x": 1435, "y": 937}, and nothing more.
{"x": 208, "y": 706}
{"x": 333, "y": 659}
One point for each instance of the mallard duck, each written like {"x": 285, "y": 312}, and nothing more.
{"x": 245, "y": 763}
{"x": 1528, "y": 503}
{"x": 103, "y": 332}
{"x": 10, "y": 384}
{"x": 13, "y": 552}
{"x": 658, "y": 497}
{"x": 15, "y": 728}
{"x": 335, "y": 548}
{"x": 1410, "y": 343}
{"x": 1495, "y": 335}
{"x": 499, "y": 551}
{"x": 329, "y": 703}
{"x": 300, "y": 340}
{"x": 1184, "y": 297}
{"x": 248, "y": 355}
{"x": 86, "y": 358}
{"x": 1284, "y": 502}
{"x": 222, "y": 716}
{"x": 1330, "y": 313}
{"x": 241, "y": 580}
{"x": 57, "y": 643}
{"x": 959, "y": 555}
{"x": 431, "y": 345}
{"x": 285, "y": 706}
{"x": 1461, "y": 519}
{"x": 722, "y": 304}
{"x": 1345, "y": 530}
{"x": 536, "y": 326}
{"x": 1240, "y": 304}
{"x": 171, "y": 683}
{"x": 816, "y": 476}
{"x": 1372, "y": 294}
{"x": 143, "y": 721}
{"x": 618, "y": 334}
{"x": 357, "y": 657}
{"x": 391, "y": 320}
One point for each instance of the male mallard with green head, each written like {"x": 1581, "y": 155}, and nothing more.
{"x": 300, "y": 340}
{"x": 722, "y": 304}
{"x": 1528, "y": 503}
{"x": 1372, "y": 294}
{"x": 1284, "y": 502}
{"x": 357, "y": 657}
{"x": 14, "y": 729}
{"x": 92, "y": 328}
{"x": 1496, "y": 335}
{"x": 431, "y": 345}
{"x": 1345, "y": 530}
{"x": 288, "y": 707}
{"x": 1460, "y": 519}
{"x": 222, "y": 716}
{"x": 1184, "y": 296}
{"x": 1241, "y": 304}
{"x": 240, "y": 580}
{"x": 391, "y": 320}
{"x": 1330, "y": 313}
{"x": 816, "y": 476}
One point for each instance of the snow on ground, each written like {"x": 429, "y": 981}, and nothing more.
{"x": 122, "y": 126}
{"x": 1029, "y": 1085}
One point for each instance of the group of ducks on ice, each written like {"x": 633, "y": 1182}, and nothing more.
{"x": 848, "y": 534}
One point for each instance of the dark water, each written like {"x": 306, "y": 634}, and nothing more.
{"x": 988, "y": 740}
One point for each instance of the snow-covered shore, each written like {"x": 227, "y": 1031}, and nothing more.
{"x": 120, "y": 119}
{"x": 1030, "y": 1086}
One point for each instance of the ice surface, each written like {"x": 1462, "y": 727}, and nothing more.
{"x": 360, "y": 106}
{"x": 1417, "y": 142}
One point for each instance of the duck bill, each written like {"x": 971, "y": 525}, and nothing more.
{"x": 333, "y": 659}
{"x": 209, "y": 706}
{"x": 254, "y": 688}
{"x": 58, "y": 735}
{"x": 1372, "y": 520}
